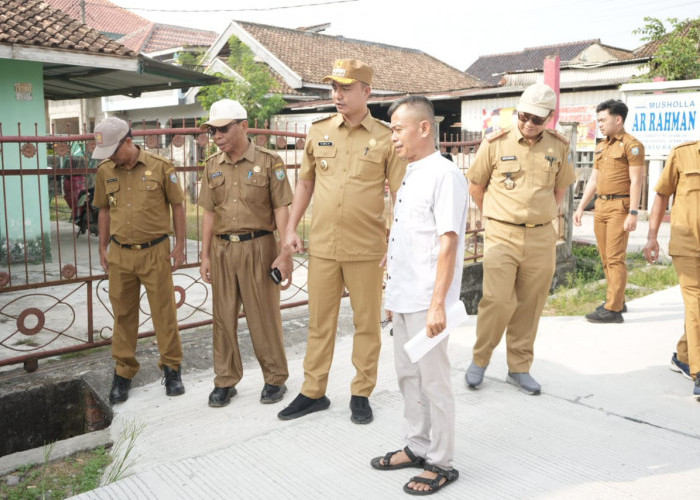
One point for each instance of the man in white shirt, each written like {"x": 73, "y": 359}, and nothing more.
{"x": 424, "y": 268}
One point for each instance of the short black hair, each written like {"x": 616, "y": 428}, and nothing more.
{"x": 614, "y": 107}
{"x": 420, "y": 102}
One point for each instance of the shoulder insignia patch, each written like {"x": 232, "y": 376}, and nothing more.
{"x": 382, "y": 122}
{"x": 495, "y": 135}
{"x": 213, "y": 155}
{"x": 173, "y": 178}
{"x": 690, "y": 143}
{"x": 556, "y": 134}
{"x": 322, "y": 118}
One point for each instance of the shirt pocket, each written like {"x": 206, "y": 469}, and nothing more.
{"x": 257, "y": 188}
{"x": 370, "y": 167}
{"x": 689, "y": 181}
{"x": 506, "y": 170}
{"x": 325, "y": 160}
{"x": 111, "y": 191}
{"x": 217, "y": 189}
{"x": 546, "y": 171}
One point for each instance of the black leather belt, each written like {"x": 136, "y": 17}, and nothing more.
{"x": 243, "y": 237}
{"x": 612, "y": 196}
{"x": 140, "y": 246}
{"x": 519, "y": 225}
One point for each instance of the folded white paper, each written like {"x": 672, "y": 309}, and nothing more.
{"x": 420, "y": 343}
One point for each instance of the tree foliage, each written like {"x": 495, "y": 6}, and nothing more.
{"x": 677, "y": 56}
{"x": 253, "y": 91}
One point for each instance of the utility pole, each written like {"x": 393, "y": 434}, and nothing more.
{"x": 82, "y": 10}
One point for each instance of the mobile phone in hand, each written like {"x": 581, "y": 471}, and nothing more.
{"x": 276, "y": 275}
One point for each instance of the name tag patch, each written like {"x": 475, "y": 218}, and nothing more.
{"x": 325, "y": 143}
{"x": 216, "y": 174}
{"x": 508, "y": 158}
{"x": 114, "y": 179}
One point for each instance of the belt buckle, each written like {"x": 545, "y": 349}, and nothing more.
{"x": 234, "y": 237}
{"x": 137, "y": 247}
{"x": 530, "y": 225}
{"x": 603, "y": 197}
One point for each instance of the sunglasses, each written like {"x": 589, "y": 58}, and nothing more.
{"x": 224, "y": 129}
{"x": 536, "y": 120}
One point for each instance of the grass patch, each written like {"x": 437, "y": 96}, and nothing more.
{"x": 59, "y": 479}
{"x": 585, "y": 289}
{"x": 59, "y": 210}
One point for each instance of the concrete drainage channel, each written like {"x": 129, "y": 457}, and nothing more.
{"x": 67, "y": 412}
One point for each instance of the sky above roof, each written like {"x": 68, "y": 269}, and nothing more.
{"x": 455, "y": 31}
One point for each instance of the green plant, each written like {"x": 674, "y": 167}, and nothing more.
{"x": 253, "y": 89}
{"x": 48, "y": 449}
{"x": 122, "y": 449}
{"x": 676, "y": 56}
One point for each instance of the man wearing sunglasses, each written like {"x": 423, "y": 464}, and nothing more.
{"x": 617, "y": 179}
{"x": 245, "y": 195}
{"x": 348, "y": 157}
{"x": 135, "y": 191}
{"x": 517, "y": 180}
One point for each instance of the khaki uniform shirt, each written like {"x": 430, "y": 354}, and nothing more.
{"x": 520, "y": 178}
{"x": 613, "y": 158}
{"x": 349, "y": 167}
{"x": 243, "y": 195}
{"x": 681, "y": 178}
{"x": 138, "y": 199}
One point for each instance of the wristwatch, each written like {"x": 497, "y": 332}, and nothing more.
{"x": 633, "y": 212}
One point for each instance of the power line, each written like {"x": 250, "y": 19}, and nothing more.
{"x": 251, "y": 9}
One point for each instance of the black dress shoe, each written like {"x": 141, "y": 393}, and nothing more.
{"x": 603, "y": 315}
{"x": 303, "y": 405}
{"x": 272, "y": 393}
{"x": 120, "y": 389}
{"x": 361, "y": 410}
{"x": 172, "y": 381}
{"x": 221, "y": 396}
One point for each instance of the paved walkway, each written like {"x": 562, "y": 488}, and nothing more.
{"x": 613, "y": 422}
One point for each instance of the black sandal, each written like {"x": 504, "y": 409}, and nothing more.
{"x": 435, "y": 485}
{"x": 415, "y": 461}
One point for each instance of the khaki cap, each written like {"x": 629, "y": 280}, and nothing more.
{"x": 107, "y": 136}
{"x": 538, "y": 99}
{"x": 347, "y": 71}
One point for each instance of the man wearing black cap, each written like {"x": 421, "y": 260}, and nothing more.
{"x": 347, "y": 159}
{"x": 134, "y": 190}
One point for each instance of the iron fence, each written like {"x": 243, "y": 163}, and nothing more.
{"x": 53, "y": 291}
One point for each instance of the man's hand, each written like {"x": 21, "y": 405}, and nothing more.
{"x": 205, "y": 269}
{"x": 630, "y": 223}
{"x": 284, "y": 263}
{"x": 103, "y": 259}
{"x": 178, "y": 256}
{"x": 437, "y": 320}
{"x": 294, "y": 243}
{"x": 577, "y": 216}
{"x": 651, "y": 250}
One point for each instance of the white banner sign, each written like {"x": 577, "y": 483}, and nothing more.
{"x": 662, "y": 121}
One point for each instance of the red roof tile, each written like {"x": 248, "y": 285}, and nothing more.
{"x": 102, "y": 15}
{"x": 398, "y": 69}
{"x": 36, "y": 23}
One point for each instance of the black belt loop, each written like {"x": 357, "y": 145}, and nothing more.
{"x": 612, "y": 196}
{"x": 243, "y": 237}
{"x": 139, "y": 246}
{"x": 519, "y": 225}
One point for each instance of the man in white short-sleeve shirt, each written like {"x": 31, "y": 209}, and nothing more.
{"x": 424, "y": 268}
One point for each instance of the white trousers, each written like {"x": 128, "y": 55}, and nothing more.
{"x": 429, "y": 405}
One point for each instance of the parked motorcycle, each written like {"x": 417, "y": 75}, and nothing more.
{"x": 87, "y": 213}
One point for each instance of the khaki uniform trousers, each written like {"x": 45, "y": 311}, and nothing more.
{"x": 128, "y": 270}
{"x": 363, "y": 280}
{"x": 241, "y": 274}
{"x": 429, "y": 404}
{"x": 608, "y": 225}
{"x": 518, "y": 267}
{"x": 688, "y": 348}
